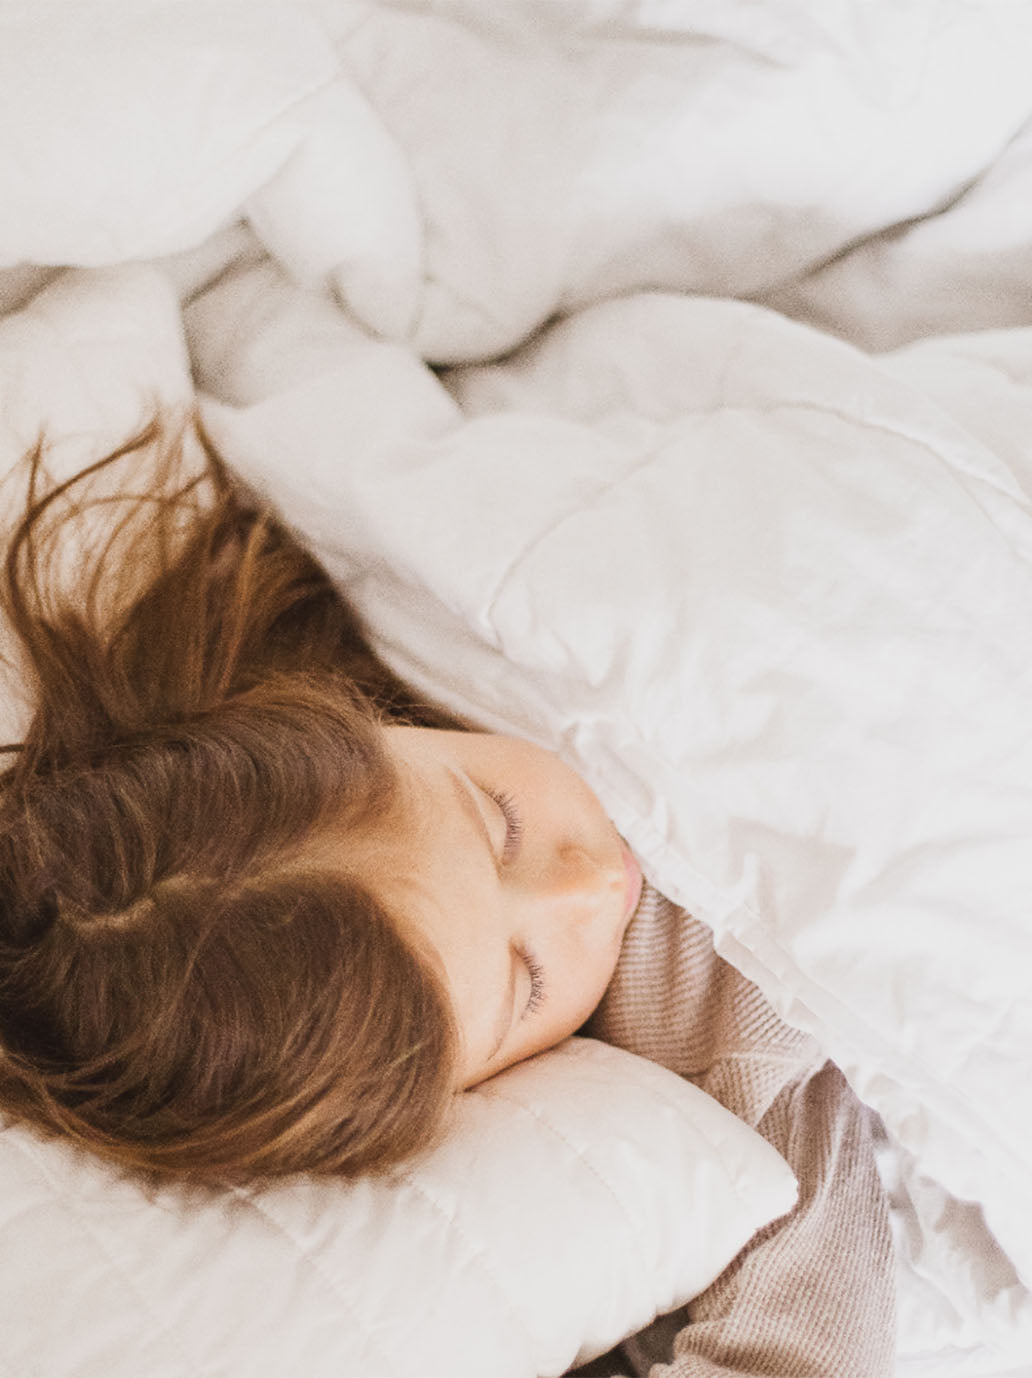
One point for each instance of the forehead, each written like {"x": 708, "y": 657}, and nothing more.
{"x": 421, "y": 854}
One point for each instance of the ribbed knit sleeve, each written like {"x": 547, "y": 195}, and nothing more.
{"x": 812, "y": 1295}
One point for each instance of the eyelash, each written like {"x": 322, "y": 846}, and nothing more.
{"x": 537, "y": 981}
{"x": 513, "y": 824}
{"x": 513, "y": 837}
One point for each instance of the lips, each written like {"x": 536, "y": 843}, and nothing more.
{"x": 635, "y": 881}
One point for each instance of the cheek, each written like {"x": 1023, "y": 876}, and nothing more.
{"x": 575, "y": 987}
{"x": 581, "y": 986}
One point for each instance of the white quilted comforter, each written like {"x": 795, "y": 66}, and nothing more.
{"x": 745, "y": 531}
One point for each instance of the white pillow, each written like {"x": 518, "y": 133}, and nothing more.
{"x": 577, "y": 1195}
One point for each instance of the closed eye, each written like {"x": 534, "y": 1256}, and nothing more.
{"x": 513, "y": 824}
{"x": 537, "y": 982}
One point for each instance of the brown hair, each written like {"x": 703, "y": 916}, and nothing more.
{"x": 177, "y": 992}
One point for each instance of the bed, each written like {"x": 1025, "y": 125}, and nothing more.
{"x": 658, "y": 379}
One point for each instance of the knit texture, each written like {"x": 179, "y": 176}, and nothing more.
{"x": 813, "y": 1294}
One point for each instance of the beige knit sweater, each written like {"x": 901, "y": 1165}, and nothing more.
{"x": 811, "y": 1295}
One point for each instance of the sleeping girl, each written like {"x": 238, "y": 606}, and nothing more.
{"x": 265, "y": 912}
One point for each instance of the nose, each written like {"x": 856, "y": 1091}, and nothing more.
{"x": 578, "y": 887}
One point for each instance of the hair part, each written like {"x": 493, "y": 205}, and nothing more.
{"x": 178, "y": 991}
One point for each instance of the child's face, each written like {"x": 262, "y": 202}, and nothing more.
{"x": 507, "y": 866}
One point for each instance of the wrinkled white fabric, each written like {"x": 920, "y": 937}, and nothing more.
{"x": 730, "y": 148}
{"x": 769, "y": 594}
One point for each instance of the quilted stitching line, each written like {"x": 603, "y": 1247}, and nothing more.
{"x": 161, "y": 1327}
{"x": 477, "y": 1253}
{"x": 328, "y": 1281}
{"x": 641, "y": 462}
{"x": 579, "y": 1154}
{"x": 603, "y": 486}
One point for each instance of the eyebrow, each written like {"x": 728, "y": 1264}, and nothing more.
{"x": 468, "y": 806}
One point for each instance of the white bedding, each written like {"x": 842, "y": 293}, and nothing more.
{"x": 770, "y": 593}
